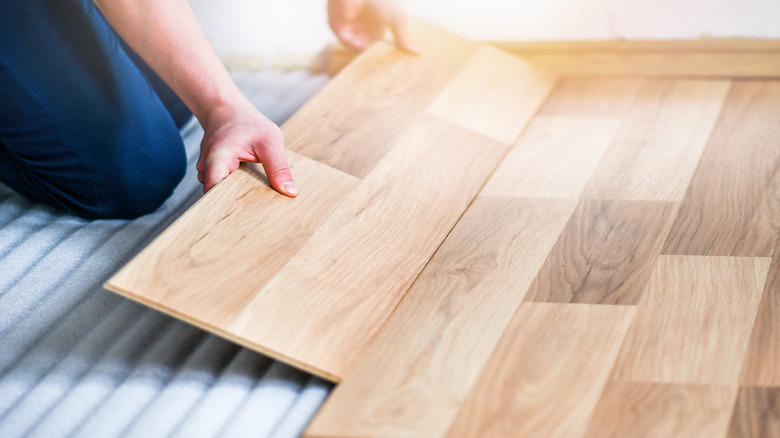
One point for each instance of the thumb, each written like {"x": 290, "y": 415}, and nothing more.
{"x": 218, "y": 166}
{"x": 278, "y": 172}
{"x": 403, "y": 37}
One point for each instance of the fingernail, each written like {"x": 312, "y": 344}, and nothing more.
{"x": 290, "y": 188}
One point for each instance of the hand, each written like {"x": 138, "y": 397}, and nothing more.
{"x": 358, "y": 23}
{"x": 242, "y": 133}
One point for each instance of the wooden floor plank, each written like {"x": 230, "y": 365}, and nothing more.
{"x": 323, "y": 272}
{"x": 422, "y": 365}
{"x": 605, "y": 253}
{"x": 730, "y": 208}
{"x": 656, "y": 151}
{"x": 489, "y": 81}
{"x": 756, "y": 413}
{"x": 182, "y": 272}
{"x": 347, "y": 279}
{"x": 547, "y": 372}
{"x": 694, "y": 321}
{"x": 370, "y": 102}
{"x": 763, "y": 356}
{"x": 662, "y": 410}
{"x": 576, "y": 96}
{"x": 554, "y": 158}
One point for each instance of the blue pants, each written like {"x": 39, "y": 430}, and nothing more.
{"x": 85, "y": 124}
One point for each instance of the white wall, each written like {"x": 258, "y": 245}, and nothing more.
{"x": 298, "y": 27}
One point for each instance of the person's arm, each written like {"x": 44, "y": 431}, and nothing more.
{"x": 167, "y": 36}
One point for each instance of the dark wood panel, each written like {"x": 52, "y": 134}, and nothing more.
{"x": 756, "y": 413}
{"x": 605, "y": 254}
{"x": 762, "y": 362}
{"x": 731, "y": 207}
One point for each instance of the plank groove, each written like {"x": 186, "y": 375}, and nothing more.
{"x": 605, "y": 253}
{"x": 421, "y": 366}
{"x": 731, "y": 206}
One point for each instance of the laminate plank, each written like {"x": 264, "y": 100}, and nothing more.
{"x": 421, "y": 366}
{"x": 763, "y": 355}
{"x": 662, "y": 410}
{"x": 488, "y": 81}
{"x": 347, "y": 279}
{"x": 547, "y": 372}
{"x": 694, "y": 321}
{"x": 310, "y": 281}
{"x": 243, "y": 225}
{"x": 669, "y": 122}
{"x": 605, "y": 254}
{"x": 756, "y": 413}
{"x": 554, "y": 158}
{"x": 576, "y": 96}
{"x": 731, "y": 206}
{"x": 371, "y": 101}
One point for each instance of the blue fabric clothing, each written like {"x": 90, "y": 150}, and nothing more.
{"x": 85, "y": 124}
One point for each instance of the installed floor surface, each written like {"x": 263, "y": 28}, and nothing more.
{"x": 76, "y": 360}
{"x": 482, "y": 248}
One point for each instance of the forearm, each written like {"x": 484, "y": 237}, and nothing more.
{"x": 167, "y": 36}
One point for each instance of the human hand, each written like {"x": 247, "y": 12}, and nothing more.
{"x": 358, "y": 23}
{"x": 242, "y": 133}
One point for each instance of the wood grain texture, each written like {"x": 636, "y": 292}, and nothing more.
{"x": 605, "y": 254}
{"x": 494, "y": 96}
{"x": 632, "y": 409}
{"x": 347, "y": 279}
{"x": 547, "y": 372}
{"x": 694, "y": 321}
{"x": 381, "y": 92}
{"x": 731, "y": 206}
{"x": 183, "y": 271}
{"x": 310, "y": 281}
{"x": 576, "y": 96}
{"x": 669, "y": 122}
{"x": 762, "y": 362}
{"x": 756, "y": 413}
{"x": 554, "y": 158}
{"x": 423, "y": 363}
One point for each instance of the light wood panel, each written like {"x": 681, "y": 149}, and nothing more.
{"x": 184, "y": 271}
{"x": 311, "y": 281}
{"x": 605, "y": 253}
{"x": 762, "y": 362}
{"x": 577, "y": 96}
{"x": 421, "y": 366}
{"x": 632, "y": 409}
{"x": 370, "y": 103}
{"x": 554, "y": 159}
{"x": 731, "y": 207}
{"x": 347, "y": 279}
{"x": 547, "y": 373}
{"x": 756, "y": 414}
{"x": 694, "y": 321}
{"x": 472, "y": 99}
{"x": 656, "y": 151}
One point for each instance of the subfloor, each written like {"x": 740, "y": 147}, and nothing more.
{"x": 77, "y": 360}
{"x": 615, "y": 277}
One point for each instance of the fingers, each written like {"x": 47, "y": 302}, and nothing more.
{"x": 218, "y": 165}
{"x": 403, "y": 37}
{"x": 274, "y": 161}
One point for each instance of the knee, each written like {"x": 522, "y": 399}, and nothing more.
{"x": 139, "y": 182}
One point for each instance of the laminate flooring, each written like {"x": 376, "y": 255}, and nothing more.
{"x": 484, "y": 249}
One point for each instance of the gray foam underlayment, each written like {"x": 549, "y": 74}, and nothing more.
{"x": 77, "y": 360}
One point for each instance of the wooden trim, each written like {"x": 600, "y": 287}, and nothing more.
{"x": 732, "y": 57}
